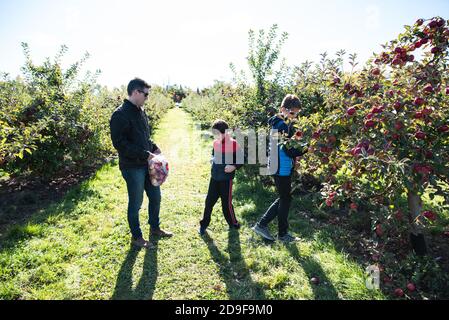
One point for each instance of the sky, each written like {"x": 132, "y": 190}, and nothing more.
{"x": 193, "y": 42}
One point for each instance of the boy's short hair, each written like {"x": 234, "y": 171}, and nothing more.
{"x": 137, "y": 84}
{"x": 220, "y": 125}
{"x": 291, "y": 101}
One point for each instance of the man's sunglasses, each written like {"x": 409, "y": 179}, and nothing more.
{"x": 146, "y": 94}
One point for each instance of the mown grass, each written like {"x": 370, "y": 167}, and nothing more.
{"x": 79, "y": 248}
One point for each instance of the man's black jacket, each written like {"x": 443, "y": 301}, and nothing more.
{"x": 130, "y": 134}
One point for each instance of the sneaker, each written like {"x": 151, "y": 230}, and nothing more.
{"x": 202, "y": 231}
{"x": 161, "y": 233}
{"x": 263, "y": 232}
{"x": 140, "y": 243}
{"x": 288, "y": 238}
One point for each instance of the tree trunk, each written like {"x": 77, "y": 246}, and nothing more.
{"x": 416, "y": 235}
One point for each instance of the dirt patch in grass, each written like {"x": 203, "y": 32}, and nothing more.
{"x": 21, "y": 197}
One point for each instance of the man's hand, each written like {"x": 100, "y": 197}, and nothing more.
{"x": 230, "y": 168}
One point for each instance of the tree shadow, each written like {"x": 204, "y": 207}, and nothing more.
{"x": 144, "y": 289}
{"x": 234, "y": 271}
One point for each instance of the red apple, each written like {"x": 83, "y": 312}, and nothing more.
{"x": 399, "y": 292}
{"x": 411, "y": 287}
{"x": 315, "y": 280}
{"x": 433, "y": 24}
{"x": 351, "y": 111}
{"x": 420, "y": 135}
{"x": 419, "y": 115}
{"x": 419, "y": 22}
{"x": 397, "y": 105}
{"x": 397, "y": 60}
{"x": 435, "y": 50}
{"x": 419, "y": 101}
{"x": 354, "y": 206}
{"x": 375, "y": 72}
{"x": 443, "y": 128}
{"x": 370, "y": 124}
{"x": 379, "y": 230}
{"x": 430, "y": 215}
{"x": 428, "y": 88}
{"x": 376, "y": 110}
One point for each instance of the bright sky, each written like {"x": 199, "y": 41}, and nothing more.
{"x": 193, "y": 42}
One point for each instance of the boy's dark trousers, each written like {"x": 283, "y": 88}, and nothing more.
{"x": 223, "y": 190}
{"x": 281, "y": 206}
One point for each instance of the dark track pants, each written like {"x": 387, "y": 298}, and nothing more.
{"x": 222, "y": 190}
{"x": 281, "y": 206}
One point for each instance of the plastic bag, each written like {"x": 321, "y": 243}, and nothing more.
{"x": 158, "y": 169}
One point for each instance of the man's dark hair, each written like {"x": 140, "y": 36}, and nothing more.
{"x": 220, "y": 125}
{"x": 137, "y": 84}
{"x": 291, "y": 102}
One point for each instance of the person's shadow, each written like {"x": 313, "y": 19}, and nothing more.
{"x": 145, "y": 288}
{"x": 234, "y": 271}
{"x": 324, "y": 290}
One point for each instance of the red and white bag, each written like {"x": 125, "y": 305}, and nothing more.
{"x": 158, "y": 169}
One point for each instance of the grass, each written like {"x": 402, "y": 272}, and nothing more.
{"x": 79, "y": 247}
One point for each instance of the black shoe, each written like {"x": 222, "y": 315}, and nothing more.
{"x": 288, "y": 238}
{"x": 263, "y": 232}
{"x": 202, "y": 231}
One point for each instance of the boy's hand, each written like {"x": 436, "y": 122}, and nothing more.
{"x": 230, "y": 168}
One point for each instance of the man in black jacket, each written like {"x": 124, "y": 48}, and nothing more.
{"x": 130, "y": 134}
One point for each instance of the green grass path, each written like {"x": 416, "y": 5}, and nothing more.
{"x": 79, "y": 248}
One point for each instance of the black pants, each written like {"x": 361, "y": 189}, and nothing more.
{"x": 223, "y": 190}
{"x": 281, "y": 206}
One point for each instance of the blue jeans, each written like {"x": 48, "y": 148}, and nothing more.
{"x": 138, "y": 180}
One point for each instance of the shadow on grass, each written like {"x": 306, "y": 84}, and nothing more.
{"x": 233, "y": 271}
{"x": 145, "y": 287}
{"x": 261, "y": 197}
{"x": 324, "y": 290}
